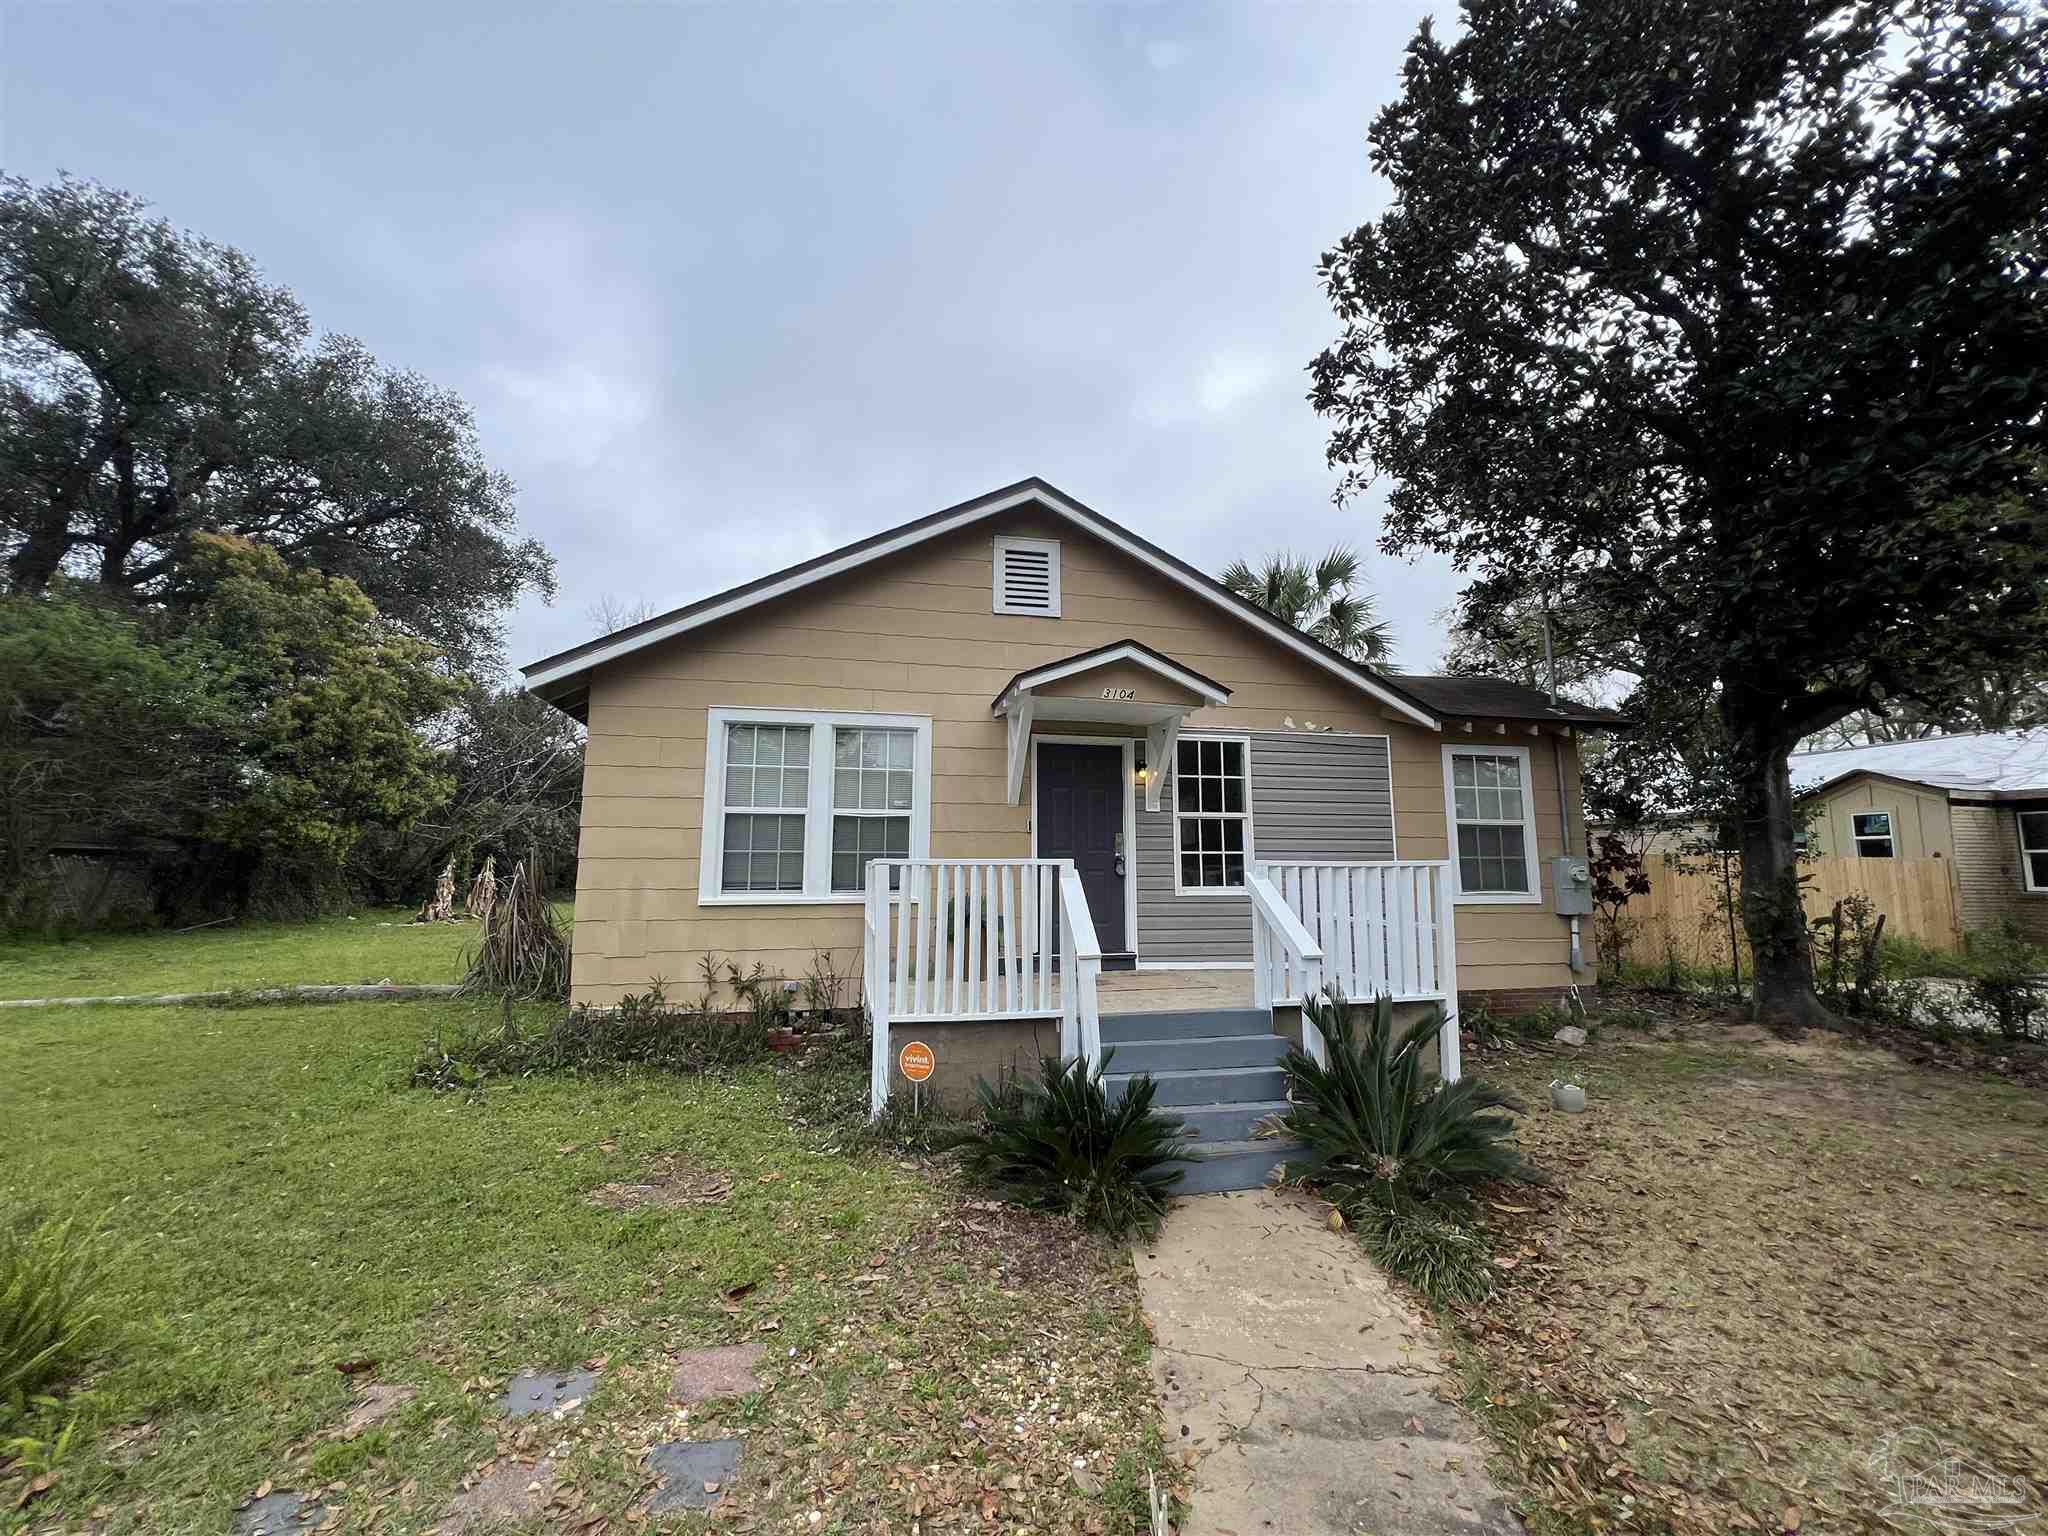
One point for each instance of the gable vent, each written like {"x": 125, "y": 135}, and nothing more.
{"x": 1028, "y": 576}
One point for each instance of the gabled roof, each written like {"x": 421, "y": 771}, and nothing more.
{"x": 1498, "y": 699}
{"x": 1134, "y": 651}
{"x": 563, "y": 679}
{"x": 1989, "y": 763}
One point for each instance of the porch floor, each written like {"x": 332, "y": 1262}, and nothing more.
{"x": 1172, "y": 991}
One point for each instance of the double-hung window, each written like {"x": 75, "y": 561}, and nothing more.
{"x": 2034, "y": 849}
{"x": 1493, "y": 822}
{"x": 1872, "y": 831}
{"x": 1212, "y": 823}
{"x": 798, "y": 803}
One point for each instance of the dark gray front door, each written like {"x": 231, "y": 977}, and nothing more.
{"x": 1081, "y": 817}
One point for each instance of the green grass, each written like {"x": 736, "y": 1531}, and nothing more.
{"x": 284, "y": 1207}
{"x": 374, "y": 945}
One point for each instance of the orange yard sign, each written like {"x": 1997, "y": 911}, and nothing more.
{"x": 917, "y": 1061}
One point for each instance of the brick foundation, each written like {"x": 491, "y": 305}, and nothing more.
{"x": 1510, "y": 1002}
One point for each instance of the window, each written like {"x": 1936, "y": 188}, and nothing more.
{"x": 799, "y": 802}
{"x": 2034, "y": 849}
{"x": 1028, "y": 577}
{"x": 1873, "y": 833}
{"x": 871, "y": 800}
{"x": 1212, "y": 814}
{"x": 1493, "y": 821}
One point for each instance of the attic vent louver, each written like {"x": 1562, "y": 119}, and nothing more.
{"x": 1028, "y": 576}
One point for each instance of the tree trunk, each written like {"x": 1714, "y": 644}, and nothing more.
{"x": 41, "y": 554}
{"x": 1781, "y": 962}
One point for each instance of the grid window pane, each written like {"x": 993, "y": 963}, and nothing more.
{"x": 1487, "y": 801}
{"x": 755, "y": 771}
{"x": 1211, "y": 800}
{"x": 871, "y": 769}
{"x": 859, "y": 840}
{"x": 763, "y": 853}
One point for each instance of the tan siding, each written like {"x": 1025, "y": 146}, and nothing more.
{"x": 1920, "y": 819}
{"x": 917, "y": 635}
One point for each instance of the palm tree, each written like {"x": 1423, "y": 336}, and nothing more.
{"x": 1317, "y": 600}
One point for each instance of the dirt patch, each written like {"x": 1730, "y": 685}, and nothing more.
{"x": 667, "y": 1183}
{"x": 702, "y": 1374}
{"x": 1756, "y": 1263}
{"x": 503, "y": 1493}
{"x": 373, "y": 1405}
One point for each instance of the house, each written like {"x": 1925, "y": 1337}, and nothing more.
{"x": 1044, "y": 785}
{"x": 1978, "y": 801}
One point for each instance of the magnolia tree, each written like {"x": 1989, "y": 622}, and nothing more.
{"x": 1723, "y": 319}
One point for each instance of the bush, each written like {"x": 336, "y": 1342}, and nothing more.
{"x": 2008, "y": 984}
{"x": 524, "y": 953}
{"x": 1378, "y": 1129}
{"x": 1059, "y": 1144}
{"x": 642, "y": 1031}
{"x": 48, "y": 1273}
{"x": 1439, "y": 1252}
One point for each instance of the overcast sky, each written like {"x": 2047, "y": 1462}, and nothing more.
{"x": 730, "y": 284}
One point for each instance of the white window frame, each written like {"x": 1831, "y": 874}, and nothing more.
{"x": 1172, "y": 798}
{"x": 1004, "y": 543}
{"x": 1532, "y": 861}
{"x": 2019, "y": 827}
{"x": 1891, "y": 833}
{"x": 817, "y": 889}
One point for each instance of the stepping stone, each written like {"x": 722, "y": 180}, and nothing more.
{"x": 707, "y": 1373}
{"x": 373, "y": 1405}
{"x": 278, "y": 1514}
{"x": 511, "y": 1492}
{"x": 694, "y": 1473}
{"x": 536, "y": 1392}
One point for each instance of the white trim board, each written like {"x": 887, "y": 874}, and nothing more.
{"x": 553, "y": 670}
{"x": 817, "y": 813}
{"x": 1058, "y": 671}
{"x": 1532, "y": 896}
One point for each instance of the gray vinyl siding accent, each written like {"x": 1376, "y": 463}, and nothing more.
{"x": 1312, "y": 798}
{"x": 1322, "y": 799}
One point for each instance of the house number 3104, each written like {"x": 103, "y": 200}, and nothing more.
{"x": 1119, "y": 693}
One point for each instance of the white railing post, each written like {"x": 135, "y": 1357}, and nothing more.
{"x": 1262, "y": 947}
{"x": 1080, "y": 966}
{"x": 1450, "y": 1065}
{"x": 875, "y": 982}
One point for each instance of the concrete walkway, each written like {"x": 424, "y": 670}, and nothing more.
{"x": 1305, "y": 1386}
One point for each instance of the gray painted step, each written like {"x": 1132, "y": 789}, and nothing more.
{"x": 1197, "y": 1053}
{"x": 1227, "y": 1122}
{"x": 1220, "y": 1085}
{"x": 1185, "y": 1025}
{"x": 1216, "y": 1166}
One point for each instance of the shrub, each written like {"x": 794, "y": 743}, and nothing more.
{"x": 642, "y": 1031}
{"x": 523, "y": 954}
{"x": 2008, "y": 985}
{"x": 1059, "y": 1144}
{"x": 48, "y": 1273}
{"x": 1442, "y": 1255}
{"x": 1378, "y": 1131}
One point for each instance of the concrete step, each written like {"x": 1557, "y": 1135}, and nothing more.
{"x": 1185, "y": 1024}
{"x": 1212, "y": 1167}
{"x": 1196, "y": 1053}
{"x": 1227, "y": 1122}
{"x": 1216, "y": 1085}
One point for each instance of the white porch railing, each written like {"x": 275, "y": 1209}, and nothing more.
{"x": 1376, "y": 930}
{"x": 966, "y": 940}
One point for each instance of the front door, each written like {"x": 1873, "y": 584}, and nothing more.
{"x": 1081, "y": 817}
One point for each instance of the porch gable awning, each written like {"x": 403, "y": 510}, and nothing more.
{"x": 1151, "y": 690}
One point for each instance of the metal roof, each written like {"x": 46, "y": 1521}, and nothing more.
{"x": 1988, "y": 763}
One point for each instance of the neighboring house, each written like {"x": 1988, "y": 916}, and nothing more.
{"x": 1979, "y": 801}
{"x": 955, "y": 705}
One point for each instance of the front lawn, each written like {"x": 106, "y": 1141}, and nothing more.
{"x": 379, "y": 944}
{"x": 296, "y": 1223}
{"x": 1758, "y": 1262}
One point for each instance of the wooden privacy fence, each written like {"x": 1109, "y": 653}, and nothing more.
{"x": 1683, "y": 913}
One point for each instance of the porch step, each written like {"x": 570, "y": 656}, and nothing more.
{"x": 1211, "y": 1123}
{"x": 1185, "y": 1024}
{"x": 1196, "y": 1053}
{"x": 1211, "y": 1167}
{"x": 1210, "y": 1085}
